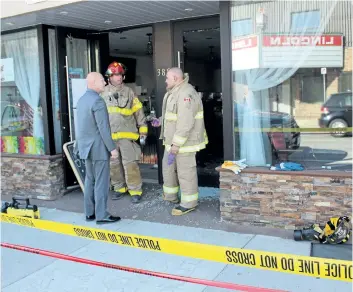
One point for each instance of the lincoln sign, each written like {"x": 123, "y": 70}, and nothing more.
{"x": 283, "y": 51}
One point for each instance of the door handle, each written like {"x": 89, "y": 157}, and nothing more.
{"x": 179, "y": 59}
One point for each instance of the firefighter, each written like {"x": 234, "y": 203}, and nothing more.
{"x": 183, "y": 133}
{"x": 128, "y": 124}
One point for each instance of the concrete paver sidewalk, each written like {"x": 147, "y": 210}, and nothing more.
{"x": 28, "y": 272}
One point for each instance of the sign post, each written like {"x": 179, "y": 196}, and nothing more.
{"x": 323, "y": 72}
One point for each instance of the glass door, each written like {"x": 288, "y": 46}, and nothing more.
{"x": 81, "y": 58}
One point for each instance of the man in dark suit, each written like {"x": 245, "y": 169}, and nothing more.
{"x": 95, "y": 145}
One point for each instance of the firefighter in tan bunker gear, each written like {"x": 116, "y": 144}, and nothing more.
{"x": 183, "y": 133}
{"x": 128, "y": 124}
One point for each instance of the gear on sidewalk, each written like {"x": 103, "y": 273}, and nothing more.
{"x": 15, "y": 208}
{"x": 337, "y": 230}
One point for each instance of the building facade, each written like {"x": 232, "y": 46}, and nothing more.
{"x": 281, "y": 61}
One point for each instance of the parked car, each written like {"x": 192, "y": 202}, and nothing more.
{"x": 336, "y": 112}
{"x": 283, "y": 121}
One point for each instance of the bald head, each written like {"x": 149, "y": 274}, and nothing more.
{"x": 177, "y": 72}
{"x": 174, "y": 76}
{"x": 95, "y": 81}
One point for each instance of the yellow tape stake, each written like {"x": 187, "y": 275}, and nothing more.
{"x": 299, "y": 265}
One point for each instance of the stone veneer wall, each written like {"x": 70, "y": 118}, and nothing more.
{"x": 39, "y": 177}
{"x": 283, "y": 199}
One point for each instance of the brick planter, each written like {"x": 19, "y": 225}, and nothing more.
{"x": 284, "y": 199}
{"x": 39, "y": 177}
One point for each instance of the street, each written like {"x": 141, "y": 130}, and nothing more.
{"x": 317, "y": 150}
{"x": 23, "y": 272}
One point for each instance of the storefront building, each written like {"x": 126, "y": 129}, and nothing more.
{"x": 279, "y": 63}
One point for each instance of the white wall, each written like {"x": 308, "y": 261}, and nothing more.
{"x": 144, "y": 71}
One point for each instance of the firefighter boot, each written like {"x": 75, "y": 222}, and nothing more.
{"x": 130, "y": 155}
{"x": 179, "y": 210}
{"x": 117, "y": 178}
{"x": 134, "y": 181}
{"x": 187, "y": 175}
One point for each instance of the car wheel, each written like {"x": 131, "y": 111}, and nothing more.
{"x": 338, "y": 123}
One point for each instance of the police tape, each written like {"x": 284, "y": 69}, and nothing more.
{"x": 225, "y": 285}
{"x": 295, "y": 130}
{"x": 287, "y": 263}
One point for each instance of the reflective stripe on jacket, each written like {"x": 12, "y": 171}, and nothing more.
{"x": 126, "y": 116}
{"x": 182, "y": 119}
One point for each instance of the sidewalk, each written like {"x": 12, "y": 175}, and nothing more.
{"x": 153, "y": 208}
{"x": 28, "y": 272}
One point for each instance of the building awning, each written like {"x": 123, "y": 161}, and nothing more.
{"x": 107, "y": 15}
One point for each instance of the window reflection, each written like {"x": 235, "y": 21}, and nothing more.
{"x": 21, "y": 112}
{"x": 291, "y": 60}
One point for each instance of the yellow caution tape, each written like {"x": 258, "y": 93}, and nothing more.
{"x": 295, "y": 130}
{"x": 293, "y": 264}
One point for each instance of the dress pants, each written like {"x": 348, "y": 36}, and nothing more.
{"x": 97, "y": 183}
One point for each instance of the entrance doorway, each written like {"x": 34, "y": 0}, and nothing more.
{"x": 80, "y": 55}
{"x": 133, "y": 48}
{"x": 200, "y": 57}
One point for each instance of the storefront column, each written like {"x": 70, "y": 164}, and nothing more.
{"x": 45, "y": 90}
{"x": 226, "y": 65}
{"x": 162, "y": 59}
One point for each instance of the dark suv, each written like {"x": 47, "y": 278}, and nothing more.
{"x": 337, "y": 113}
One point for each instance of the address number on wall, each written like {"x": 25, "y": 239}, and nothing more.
{"x": 162, "y": 72}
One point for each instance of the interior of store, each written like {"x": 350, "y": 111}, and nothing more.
{"x": 202, "y": 62}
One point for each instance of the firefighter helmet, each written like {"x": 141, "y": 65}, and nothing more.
{"x": 115, "y": 68}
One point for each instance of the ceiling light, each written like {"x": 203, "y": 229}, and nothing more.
{"x": 108, "y": 21}
{"x": 9, "y": 23}
{"x": 64, "y": 13}
{"x": 189, "y": 9}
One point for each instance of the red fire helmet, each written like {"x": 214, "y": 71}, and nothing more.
{"x": 115, "y": 68}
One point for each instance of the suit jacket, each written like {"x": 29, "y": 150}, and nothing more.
{"x": 93, "y": 136}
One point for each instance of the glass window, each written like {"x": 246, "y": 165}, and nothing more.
{"x": 339, "y": 100}
{"x": 55, "y": 89}
{"x": 345, "y": 82}
{"x": 348, "y": 100}
{"x": 21, "y": 112}
{"x": 307, "y": 21}
{"x": 278, "y": 88}
{"x": 242, "y": 27}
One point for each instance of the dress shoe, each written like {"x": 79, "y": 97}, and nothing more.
{"x": 109, "y": 219}
{"x": 135, "y": 199}
{"x": 90, "y": 218}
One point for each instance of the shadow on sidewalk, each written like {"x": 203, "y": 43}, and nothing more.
{"x": 152, "y": 208}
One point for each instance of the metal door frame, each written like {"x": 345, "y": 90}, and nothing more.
{"x": 223, "y": 21}
{"x": 179, "y": 27}
{"x": 61, "y": 35}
